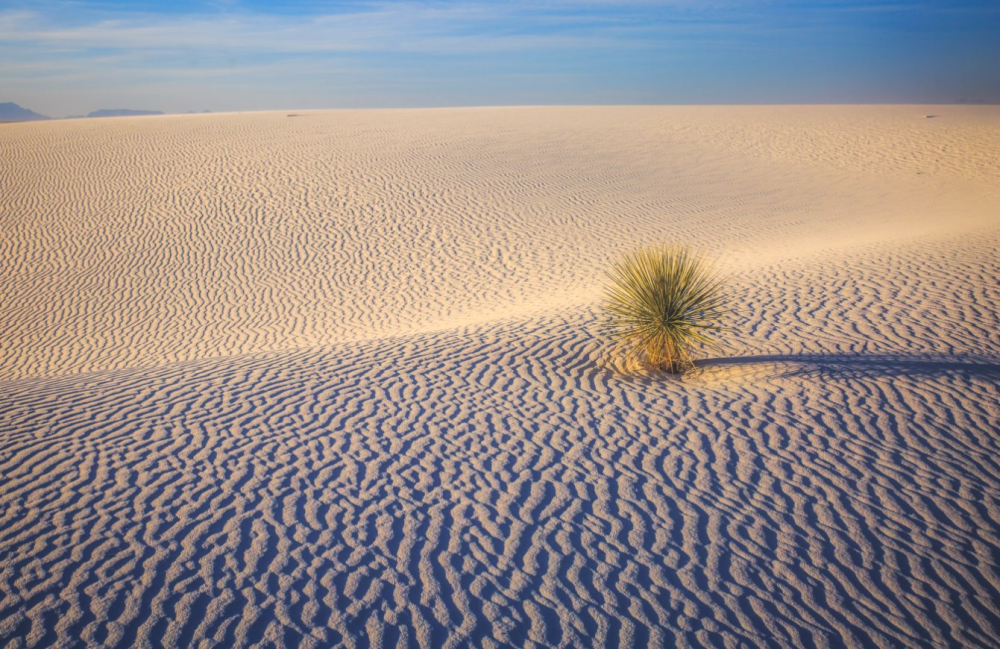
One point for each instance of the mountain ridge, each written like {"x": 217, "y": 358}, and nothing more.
{"x": 11, "y": 112}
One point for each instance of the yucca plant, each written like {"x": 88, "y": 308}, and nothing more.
{"x": 660, "y": 302}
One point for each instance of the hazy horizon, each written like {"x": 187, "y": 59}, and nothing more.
{"x": 68, "y": 58}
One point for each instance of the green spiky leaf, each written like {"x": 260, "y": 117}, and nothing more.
{"x": 662, "y": 300}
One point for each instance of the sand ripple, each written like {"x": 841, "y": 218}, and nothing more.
{"x": 406, "y": 435}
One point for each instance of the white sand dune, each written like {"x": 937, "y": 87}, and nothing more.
{"x": 336, "y": 378}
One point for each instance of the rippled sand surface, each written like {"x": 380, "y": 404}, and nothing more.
{"x": 337, "y": 378}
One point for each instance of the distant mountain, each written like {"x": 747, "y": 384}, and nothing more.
{"x": 122, "y": 112}
{"x": 11, "y": 112}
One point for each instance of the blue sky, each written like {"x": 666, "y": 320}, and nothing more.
{"x": 72, "y": 56}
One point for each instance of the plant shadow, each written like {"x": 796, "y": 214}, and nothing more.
{"x": 857, "y": 365}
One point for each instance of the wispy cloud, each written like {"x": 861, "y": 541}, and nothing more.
{"x": 387, "y": 27}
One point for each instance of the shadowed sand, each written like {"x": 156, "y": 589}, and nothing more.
{"x": 339, "y": 379}
{"x": 858, "y": 364}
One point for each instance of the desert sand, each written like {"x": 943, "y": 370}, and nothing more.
{"x": 339, "y": 378}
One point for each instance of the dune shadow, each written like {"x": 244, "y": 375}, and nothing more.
{"x": 857, "y": 365}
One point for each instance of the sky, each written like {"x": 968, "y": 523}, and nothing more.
{"x": 63, "y": 57}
